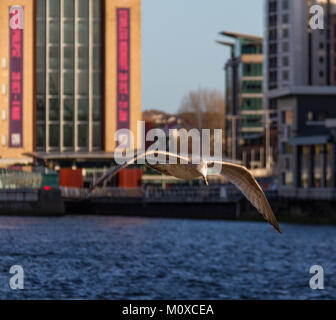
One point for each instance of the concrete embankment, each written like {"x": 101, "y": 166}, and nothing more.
{"x": 138, "y": 207}
{"x": 286, "y": 210}
{"x": 294, "y": 211}
{"x": 31, "y": 202}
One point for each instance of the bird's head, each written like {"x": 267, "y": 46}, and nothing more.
{"x": 203, "y": 170}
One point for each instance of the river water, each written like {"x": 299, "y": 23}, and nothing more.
{"x": 87, "y": 257}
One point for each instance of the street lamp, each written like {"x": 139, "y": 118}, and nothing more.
{"x": 268, "y": 137}
{"x": 234, "y": 119}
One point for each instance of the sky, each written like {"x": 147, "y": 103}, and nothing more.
{"x": 179, "y": 52}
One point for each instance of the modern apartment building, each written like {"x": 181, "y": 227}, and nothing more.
{"x": 300, "y": 87}
{"x": 244, "y": 98}
{"x": 70, "y": 77}
{"x": 307, "y": 143}
{"x": 296, "y": 55}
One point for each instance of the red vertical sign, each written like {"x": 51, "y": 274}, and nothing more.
{"x": 123, "y": 68}
{"x": 15, "y": 76}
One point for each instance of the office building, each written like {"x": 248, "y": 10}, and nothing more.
{"x": 245, "y": 127}
{"x": 300, "y": 93}
{"x": 307, "y": 142}
{"x": 70, "y": 77}
{"x": 296, "y": 55}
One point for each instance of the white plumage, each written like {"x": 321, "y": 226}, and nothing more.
{"x": 240, "y": 176}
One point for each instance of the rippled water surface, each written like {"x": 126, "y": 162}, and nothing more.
{"x": 138, "y": 258}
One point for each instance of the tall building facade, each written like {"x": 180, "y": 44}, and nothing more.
{"x": 244, "y": 98}
{"x": 296, "y": 55}
{"x": 300, "y": 92}
{"x": 70, "y": 76}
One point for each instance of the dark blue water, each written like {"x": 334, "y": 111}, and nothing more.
{"x": 136, "y": 258}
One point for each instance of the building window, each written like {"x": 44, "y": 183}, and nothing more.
{"x": 252, "y": 87}
{"x": 252, "y": 104}
{"x": 287, "y": 179}
{"x": 68, "y": 58}
{"x": 252, "y": 70}
{"x": 318, "y": 116}
{"x": 285, "y": 18}
{"x": 287, "y": 117}
{"x": 83, "y": 58}
{"x": 97, "y": 135}
{"x": 305, "y": 166}
{"x": 285, "y": 61}
{"x": 318, "y": 166}
{"x": 252, "y": 121}
{"x": 68, "y": 136}
{"x": 40, "y": 109}
{"x": 40, "y": 83}
{"x": 54, "y": 110}
{"x": 272, "y": 7}
{"x": 83, "y": 135}
{"x": 54, "y": 135}
{"x": 41, "y": 9}
{"x": 40, "y": 133}
{"x": 273, "y": 76}
{"x": 285, "y": 46}
{"x": 285, "y": 4}
{"x": 68, "y": 87}
{"x": 54, "y": 31}
{"x": 83, "y": 9}
{"x": 54, "y": 83}
{"x": 286, "y": 148}
{"x": 68, "y": 32}
{"x": 54, "y": 8}
{"x": 273, "y": 48}
{"x": 285, "y": 75}
{"x": 68, "y": 93}
{"x": 83, "y": 110}
{"x": 69, "y": 9}
{"x": 68, "y": 111}
{"x": 273, "y": 62}
{"x": 54, "y": 57}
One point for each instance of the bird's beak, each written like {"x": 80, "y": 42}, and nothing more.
{"x": 205, "y": 180}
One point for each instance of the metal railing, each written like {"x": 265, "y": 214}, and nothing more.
{"x": 224, "y": 193}
{"x": 113, "y": 192}
{"x": 11, "y": 179}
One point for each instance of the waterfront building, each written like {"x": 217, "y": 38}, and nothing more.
{"x": 70, "y": 78}
{"x": 245, "y": 127}
{"x": 307, "y": 141}
{"x": 296, "y": 55}
{"x": 300, "y": 92}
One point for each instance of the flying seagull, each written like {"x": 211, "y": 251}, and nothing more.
{"x": 238, "y": 175}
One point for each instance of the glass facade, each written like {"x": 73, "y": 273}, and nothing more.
{"x": 69, "y": 75}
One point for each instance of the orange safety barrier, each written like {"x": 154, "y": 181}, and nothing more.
{"x": 130, "y": 178}
{"x": 71, "y": 178}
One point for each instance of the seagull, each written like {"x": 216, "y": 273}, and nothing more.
{"x": 238, "y": 175}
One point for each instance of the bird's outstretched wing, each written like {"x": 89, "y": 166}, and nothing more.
{"x": 243, "y": 179}
{"x": 111, "y": 173}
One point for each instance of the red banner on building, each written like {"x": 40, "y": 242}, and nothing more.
{"x": 16, "y": 76}
{"x": 123, "y": 69}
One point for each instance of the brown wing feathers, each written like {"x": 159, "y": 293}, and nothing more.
{"x": 243, "y": 180}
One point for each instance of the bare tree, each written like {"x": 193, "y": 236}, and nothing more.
{"x": 205, "y": 108}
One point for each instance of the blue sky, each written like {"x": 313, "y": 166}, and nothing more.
{"x": 179, "y": 52}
